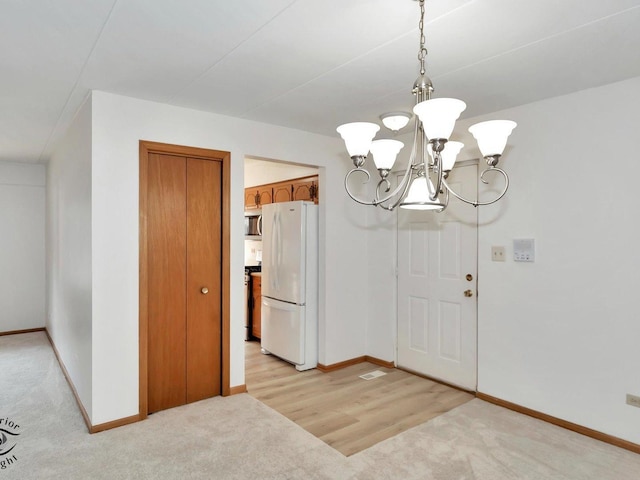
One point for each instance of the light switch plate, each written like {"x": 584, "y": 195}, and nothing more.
{"x": 524, "y": 250}
{"x": 633, "y": 400}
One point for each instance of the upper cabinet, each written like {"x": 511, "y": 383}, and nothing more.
{"x": 265, "y": 195}
{"x": 256, "y": 197}
{"x": 282, "y": 192}
{"x": 306, "y": 189}
{"x": 296, "y": 189}
{"x": 250, "y": 198}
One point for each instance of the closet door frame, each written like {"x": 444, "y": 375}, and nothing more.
{"x": 147, "y": 147}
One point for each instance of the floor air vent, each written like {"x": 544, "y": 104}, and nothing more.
{"x": 372, "y": 375}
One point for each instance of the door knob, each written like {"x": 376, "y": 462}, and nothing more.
{"x": 468, "y": 293}
{"x": 204, "y": 290}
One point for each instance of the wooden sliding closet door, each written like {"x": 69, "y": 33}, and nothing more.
{"x": 184, "y": 286}
{"x": 203, "y": 275}
{"x": 166, "y": 227}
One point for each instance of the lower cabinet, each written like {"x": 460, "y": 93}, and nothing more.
{"x": 256, "y": 300}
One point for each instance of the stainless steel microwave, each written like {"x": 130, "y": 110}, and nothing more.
{"x": 253, "y": 223}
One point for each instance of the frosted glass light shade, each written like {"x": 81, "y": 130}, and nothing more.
{"x": 492, "y": 135}
{"x": 449, "y": 154}
{"x": 418, "y": 196}
{"x": 357, "y": 137}
{"x": 385, "y": 152}
{"x": 396, "y": 120}
{"x": 439, "y": 115}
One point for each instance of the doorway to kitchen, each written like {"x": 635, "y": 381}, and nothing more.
{"x": 268, "y": 181}
{"x": 184, "y": 275}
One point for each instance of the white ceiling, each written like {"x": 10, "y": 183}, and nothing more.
{"x": 306, "y": 64}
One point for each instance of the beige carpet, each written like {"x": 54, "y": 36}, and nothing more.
{"x": 240, "y": 438}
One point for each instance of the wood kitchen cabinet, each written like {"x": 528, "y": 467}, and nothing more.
{"x": 265, "y": 194}
{"x": 256, "y": 197}
{"x": 282, "y": 192}
{"x": 256, "y": 299}
{"x": 250, "y": 198}
{"x": 305, "y": 188}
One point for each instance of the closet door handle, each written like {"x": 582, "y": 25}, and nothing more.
{"x": 204, "y": 290}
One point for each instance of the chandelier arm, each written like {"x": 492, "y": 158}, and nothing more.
{"x": 405, "y": 182}
{"x": 402, "y": 195}
{"x": 437, "y": 170}
{"x": 476, "y": 204}
{"x": 377, "y": 201}
{"x": 386, "y": 183}
{"x": 346, "y": 185}
{"x": 446, "y": 199}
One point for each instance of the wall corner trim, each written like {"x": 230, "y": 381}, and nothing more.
{"x": 237, "y": 389}
{"x": 114, "y": 423}
{"x": 28, "y": 330}
{"x": 355, "y": 361}
{"x": 91, "y": 428}
{"x": 87, "y": 420}
{"x": 379, "y": 362}
{"x": 574, "y": 427}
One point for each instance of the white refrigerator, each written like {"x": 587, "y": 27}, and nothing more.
{"x": 290, "y": 282}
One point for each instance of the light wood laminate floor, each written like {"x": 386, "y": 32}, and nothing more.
{"x": 343, "y": 410}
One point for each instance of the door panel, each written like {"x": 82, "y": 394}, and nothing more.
{"x": 419, "y": 322}
{"x": 184, "y": 221}
{"x": 449, "y": 330}
{"x": 283, "y": 252}
{"x": 203, "y": 321}
{"x": 167, "y": 277}
{"x": 437, "y": 323}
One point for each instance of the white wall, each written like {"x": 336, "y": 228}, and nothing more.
{"x": 118, "y": 125}
{"x": 22, "y": 263}
{"x": 381, "y": 268}
{"x": 261, "y": 171}
{"x": 561, "y": 335}
{"x": 69, "y": 253}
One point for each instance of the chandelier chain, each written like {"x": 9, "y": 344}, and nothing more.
{"x": 422, "y": 53}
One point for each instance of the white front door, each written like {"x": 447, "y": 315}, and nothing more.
{"x": 437, "y": 264}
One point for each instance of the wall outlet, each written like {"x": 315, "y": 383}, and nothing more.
{"x": 633, "y": 400}
{"x": 498, "y": 254}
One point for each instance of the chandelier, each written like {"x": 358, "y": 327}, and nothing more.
{"x": 424, "y": 183}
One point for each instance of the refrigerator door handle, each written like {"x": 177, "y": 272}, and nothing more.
{"x": 273, "y": 260}
{"x": 279, "y": 265}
